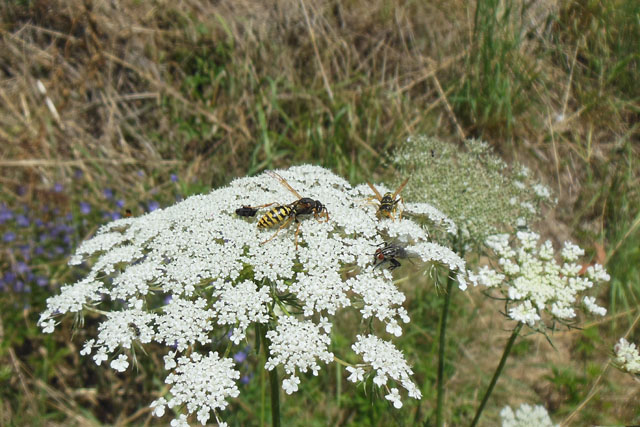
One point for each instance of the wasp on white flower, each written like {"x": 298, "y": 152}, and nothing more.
{"x": 222, "y": 272}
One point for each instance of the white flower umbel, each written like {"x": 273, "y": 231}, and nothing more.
{"x": 533, "y": 282}
{"x": 627, "y": 356}
{"x": 296, "y": 345}
{"x": 388, "y": 363}
{"x": 202, "y": 383}
{"x": 186, "y": 275}
{"x": 526, "y": 416}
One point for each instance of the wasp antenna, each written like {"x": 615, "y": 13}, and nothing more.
{"x": 376, "y": 192}
{"x": 399, "y": 189}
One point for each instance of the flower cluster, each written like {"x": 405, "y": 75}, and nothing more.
{"x": 387, "y": 362}
{"x": 220, "y": 271}
{"x": 532, "y": 281}
{"x": 470, "y": 185}
{"x": 627, "y": 356}
{"x": 525, "y": 416}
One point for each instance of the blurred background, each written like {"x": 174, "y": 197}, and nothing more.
{"x": 109, "y": 107}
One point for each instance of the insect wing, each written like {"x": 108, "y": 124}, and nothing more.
{"x": 284, "y": 182}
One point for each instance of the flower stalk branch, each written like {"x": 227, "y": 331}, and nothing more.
{"x": 496, "y": 375}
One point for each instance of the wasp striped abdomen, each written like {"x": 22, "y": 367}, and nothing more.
{"x": 274, "y": 217}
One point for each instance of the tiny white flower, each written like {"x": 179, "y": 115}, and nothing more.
{"x": 158, "y": 407}
{"x": 290, "y": 385}
{"x": 181, "y": 421}
{"x": 394, "y": 397}
{"x": 100, "y": 356}
{"x": 120, "y": 364}
{"x": 590, "y": 303}
{"x": 88, "y": 345}
{"x": 357, "y": 374}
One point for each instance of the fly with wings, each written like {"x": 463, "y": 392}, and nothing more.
{"x": 283, "y": 215}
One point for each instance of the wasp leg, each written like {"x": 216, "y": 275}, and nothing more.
{"x": 400, "y": 199}
{"x": 297, "y": 231}
{"x": 323, "y": 214}
{"x": 284, "y": 224}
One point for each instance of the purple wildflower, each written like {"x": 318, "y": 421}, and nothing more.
{"x": 174, "y": 177}
{"x": 5, "y": 214}
{"x": 22, "y": 220}
{"x": 22, "y": 268}
{"x": 240, "y": 357}
{"x": 41, "y": 281}
{"x": 85, "y": 208}
{"x": 153, "y": 205}
{"x": 9, "y": 236}
{"x": 58, "y": 187}
{"x": 108, "y": 193}
{"x": 115, "y": 215}
{"x": 120, "y": 203}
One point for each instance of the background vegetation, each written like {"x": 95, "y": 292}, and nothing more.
{"x": 143, "y": 103}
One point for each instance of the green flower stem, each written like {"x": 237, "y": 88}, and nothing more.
{"x": 496, "y": 375}
{"x": 441, "y": 348}
{"x": 274, "y": 383}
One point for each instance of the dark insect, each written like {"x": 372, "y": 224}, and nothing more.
{"x": 128, "y": 213}
{"x": 247, "y": 211}
{"x": 389, "y": 252}
{"x": 388, "y": 203}
{"x": 285, "y": 214}
{"x": 134, "y": 328}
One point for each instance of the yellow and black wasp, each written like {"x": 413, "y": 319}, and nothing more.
{"x": 388, "y": 202}
{"x": 285, "y": 214}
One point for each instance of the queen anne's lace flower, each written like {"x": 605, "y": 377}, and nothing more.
{"x": 387, "y": 362}
{"x": 532, "y": 281}
{"x": 627, "y": 356}
{"x": 526, "y": 416}
{"x": 220, "y": 275}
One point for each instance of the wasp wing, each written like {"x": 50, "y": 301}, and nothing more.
{"x": 284, "y": 182}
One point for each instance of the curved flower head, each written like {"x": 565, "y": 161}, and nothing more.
{"x": 183, "y": 275}
{"x": 525, "y": 416}
{"x": 533, "y": 282}
{"x": 627, "y": 356}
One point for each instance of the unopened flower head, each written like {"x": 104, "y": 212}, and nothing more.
{"x": 627, "y": 356}
{"x": 526, "y": 416}
{"x": 470, "y": 185}
{"x": 532, "y": 281}
{"x": 185, "y": 275}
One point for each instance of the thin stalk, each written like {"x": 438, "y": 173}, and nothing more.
{"x": 274, "y": 383}
{"x": 496, "y": 375}
{"x": 441, "y": 349}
